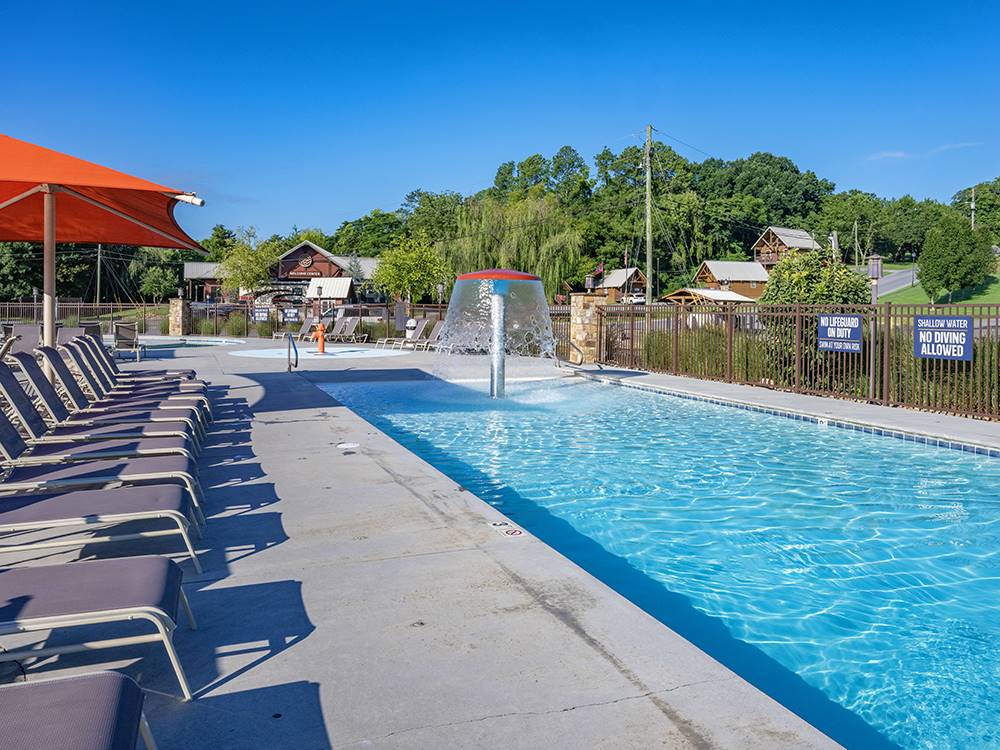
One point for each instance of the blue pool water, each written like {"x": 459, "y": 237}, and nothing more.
{"x": 853, "y": 577}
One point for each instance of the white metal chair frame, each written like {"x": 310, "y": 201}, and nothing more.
{"x": 164, "y": 625}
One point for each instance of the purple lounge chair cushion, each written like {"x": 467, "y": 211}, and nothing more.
{"x": 123, "y": 469}
{"x": 39, "y": 507}
{"x": 92, "y": 586}
{"x": 99, "y": 711}
{"x": 124, "y": 430}
{"x": 125, "y": 446}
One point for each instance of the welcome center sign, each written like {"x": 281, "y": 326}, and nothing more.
{"x": 942, "y": 337}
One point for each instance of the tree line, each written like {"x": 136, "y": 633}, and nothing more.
{"x": 561, "y": 216}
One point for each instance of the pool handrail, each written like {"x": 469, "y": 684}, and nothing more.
{"x": 292, "y": 348}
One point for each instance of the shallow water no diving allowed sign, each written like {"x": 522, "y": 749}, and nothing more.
{"x": 942, "y": 337}
{"x": 840, "y": 333}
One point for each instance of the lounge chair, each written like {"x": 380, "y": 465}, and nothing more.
{"x": 103, "y": 388}
{"x": 129, "y": 409}
{"x": 27, "y": 337}
{"x": 69, "y": 449}
{"x": 127, "y": 339}
{"x": 140, "y": 374}
{"x": 37, "y": 474}
{"x": 113, "y": 590}
{"x": 429, "y": 342}
{"x": 80, "y": 426}
{"x": 91, "y": 328}
{"x": 307, "y": 323}
{"x": 347, "y": 330}
{"x": 397, "y": 341}
{"x": 332, "y": 333}
{"x": 6, "y": 346}
{"x": 97, "y": 711}
{"x": 103, "y": 361}
{"x": 88, "y": 510}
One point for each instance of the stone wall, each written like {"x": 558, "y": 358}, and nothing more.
{"x": 180, "y": 317}
{"x": 584, "y": 326}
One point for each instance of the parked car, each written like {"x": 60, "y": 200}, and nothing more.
{"x": 634, "y": 298}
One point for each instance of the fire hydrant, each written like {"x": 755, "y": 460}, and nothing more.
{"x": 320, "y": 335}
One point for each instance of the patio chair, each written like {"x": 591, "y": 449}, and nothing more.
{"x": 346, "y": 332}
{"x": 84, "y": 407}
{"x": 139, "y": 374}
{"x": 6, "y": 346}
{"x": 331, "y": 333}
{"x": 97, "y": 711}
{"x": 103, "y": 388}
{"x": 88, "y": 510}
{"x": 34, "y": 474}
{"x": 100, "y": 425}
{"x": 109, "y": 591}
{"x": 101, "y": 359}
{"x": 127, "y": 339}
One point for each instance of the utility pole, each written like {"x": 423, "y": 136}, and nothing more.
{"x": 834, "y": 247}
{"x": 649, "y": 215}
{"x": 98, "y": 298}
{"x": 973, "y": 208}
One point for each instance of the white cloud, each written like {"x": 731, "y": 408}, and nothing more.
{"x": 924, "y": 154}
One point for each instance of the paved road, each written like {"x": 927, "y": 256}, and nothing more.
{"x": 896, "y": 280}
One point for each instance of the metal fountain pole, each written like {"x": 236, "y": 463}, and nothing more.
{"x": 498, "y": 342}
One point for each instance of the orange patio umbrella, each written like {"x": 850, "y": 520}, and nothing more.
{"x": 46, "y": 196}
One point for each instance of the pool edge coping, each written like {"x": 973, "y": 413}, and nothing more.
{"x": 925, "y": 438}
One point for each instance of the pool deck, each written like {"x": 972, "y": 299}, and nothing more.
{"x": 357, "y": 598}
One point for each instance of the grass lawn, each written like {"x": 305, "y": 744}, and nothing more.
{"x": 915, "y": 295}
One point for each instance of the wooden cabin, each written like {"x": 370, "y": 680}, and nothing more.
{"x": 777, "y": 242}
{"x": 746, "y": 278}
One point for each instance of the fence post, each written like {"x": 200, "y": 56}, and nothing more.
{"x": 729, "y": 345}
{"x": 631, "y": 340}
{"x": 675, "y": 354}
{"x": 798, "y": 347}
{"x": 886, "y": 343}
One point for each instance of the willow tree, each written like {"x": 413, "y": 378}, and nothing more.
{"x": 532, "y": 235}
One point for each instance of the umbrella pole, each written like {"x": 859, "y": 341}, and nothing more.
{"x": 49, "y": 269}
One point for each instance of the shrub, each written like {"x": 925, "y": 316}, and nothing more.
{"x": 164, "y": 326}
{"x": 236, "y": 325}
{"x": 71, "y": 321}
{"x": 264, "y": 329}
{"x": 206, "y": 327}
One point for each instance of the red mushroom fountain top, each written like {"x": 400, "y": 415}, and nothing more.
{"x": 498, "y": 274}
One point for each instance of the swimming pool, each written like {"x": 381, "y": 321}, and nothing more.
{"x": 853, "y": 577}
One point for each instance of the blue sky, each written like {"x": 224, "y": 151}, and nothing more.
{"x": 310, "y": 114}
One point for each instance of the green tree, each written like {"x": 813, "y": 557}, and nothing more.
{"x": 533, "y": 235}
{"x": 248, "y": 264}
{"x": 954, "y": 257}
{"x": 218, "y": 243}
{"x": 14, "y": 282}
{"x": 810, "y": 278}
{"x": 410, "y": 269}
{"x": 368, "y": 236}
{"x": 987, "y": 207}
{"x": 433, "y": 213}
{"x": 158, "y": 282}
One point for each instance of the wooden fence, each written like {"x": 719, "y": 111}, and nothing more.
{"x": 779, "y": 347}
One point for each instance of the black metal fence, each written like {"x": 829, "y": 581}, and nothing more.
{"x": 779, "y": 347}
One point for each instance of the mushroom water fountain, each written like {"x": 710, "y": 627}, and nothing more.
{"x": 499, "y": 312}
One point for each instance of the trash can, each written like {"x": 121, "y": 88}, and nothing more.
{"x": 411, "y": 328}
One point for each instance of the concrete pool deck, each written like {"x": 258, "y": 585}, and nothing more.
{"x": 356, "y": 597}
